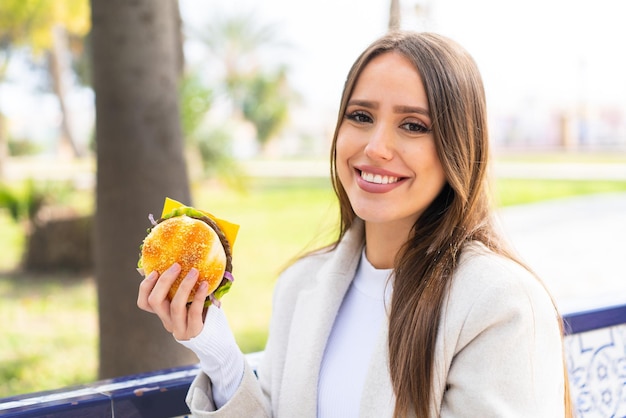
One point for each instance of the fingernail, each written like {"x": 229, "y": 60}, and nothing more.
{"x": 203, "y": 285}
{"x": 153, "y": 275}
{"x": 193, "y": 274}
{"x": 175, "y": 267}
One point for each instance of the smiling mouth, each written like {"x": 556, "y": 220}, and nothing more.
{"x": 378, "y": 179}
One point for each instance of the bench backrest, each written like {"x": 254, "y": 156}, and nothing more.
{"x": 595, "y": 349}
{"x": 596, "y": 359}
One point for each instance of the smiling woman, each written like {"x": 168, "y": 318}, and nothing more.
{"x": 449, "y": 238}
{"x": 418, "y": 308}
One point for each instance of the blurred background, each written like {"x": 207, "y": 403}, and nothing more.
{"x": 257, "y": 97}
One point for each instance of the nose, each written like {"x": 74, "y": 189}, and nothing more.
{"x": 380, "y": 144}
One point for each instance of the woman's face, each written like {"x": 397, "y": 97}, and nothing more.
{"x": 386, "y": 156}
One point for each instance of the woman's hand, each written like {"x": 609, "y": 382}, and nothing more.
{"x": 184, "y": 322}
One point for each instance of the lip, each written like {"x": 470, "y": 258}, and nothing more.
{"x": 375, "y": 187}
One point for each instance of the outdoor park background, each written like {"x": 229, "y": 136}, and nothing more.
{"x": 557, "y": 98}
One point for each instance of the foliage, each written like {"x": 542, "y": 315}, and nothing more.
{"x": 266, "y": 103}
{"x": 260, "y": 94}
{"x": 45, "y": 28}
{"x": 18, "y": 18}
{"x": 195, "y": 102}
{"x": 209, "y": 143}
{"x": 212, "y": 145}
{"x": 236, "y": 40}
{"x": 24, "y": 200}
{"x": 22, "y": 147}
{"x": 12, "y": 242}
{"x": 30, "y": 22}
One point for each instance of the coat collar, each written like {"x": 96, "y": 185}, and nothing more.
{"x": 317, "y": 307}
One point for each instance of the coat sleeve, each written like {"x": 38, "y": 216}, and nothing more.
{"x": 248, "y": 400}
{"x": 506, "y": 352}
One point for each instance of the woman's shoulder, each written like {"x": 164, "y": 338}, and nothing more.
{"x": 479, "y": 266}
{"x": 303, "y": 270}
{"x": 338, "y": 259}
{"x": 484, "y": 277}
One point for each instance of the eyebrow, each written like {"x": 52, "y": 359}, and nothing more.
{"x": 411, "y": 109}
{"x": 396, "y": 109}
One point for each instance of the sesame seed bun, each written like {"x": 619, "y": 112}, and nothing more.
{"x": 191, "y": 242}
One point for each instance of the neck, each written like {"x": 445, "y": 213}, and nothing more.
{"x": 383, "y": 242}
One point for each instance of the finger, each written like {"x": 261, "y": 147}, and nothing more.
{"x": 162, "y": 287}
{"x": 145, "y": 288}
{"x": 146, "y": 302}
{"x": 178, "y": 307}
{"x": 185, "y": 287}
{"x": 195, "y": 313}
{"x": 158, "y": 299}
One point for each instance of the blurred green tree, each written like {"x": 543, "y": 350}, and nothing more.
{"x": 266, "y": 103}
{"x": 195, "y": 102}
{"x": 48, "y": 29}
{"x": 17, "y": 19}
{"x": 23, "y": 201}
{"x": 258, "y": 94}
{"x": 207, "y": 146}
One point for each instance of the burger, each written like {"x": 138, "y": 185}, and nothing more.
{"x": 189, "y": 237}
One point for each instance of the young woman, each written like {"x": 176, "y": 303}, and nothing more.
{"x": 418, "y": 309}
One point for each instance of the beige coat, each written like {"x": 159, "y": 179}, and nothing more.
{"x": 498, "y": 351}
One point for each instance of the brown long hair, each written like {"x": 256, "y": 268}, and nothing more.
{"x": 460, "y": 213}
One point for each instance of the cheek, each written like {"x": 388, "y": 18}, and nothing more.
{"x": 344, "y": 172}
{"x": 344, "y": 152}
{"x": 342, "y": 142}
{"x": 343, "y": 169}
{"x": 440, "y": 179}
{"x": 438, "y": 174}
{"x": 427, "y": 162}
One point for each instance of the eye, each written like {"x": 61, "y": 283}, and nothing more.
{"x": 416, "y": 127}
{"x": 359, "y": 116}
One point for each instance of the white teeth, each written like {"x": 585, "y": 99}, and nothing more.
{"x": 377, "y": 178}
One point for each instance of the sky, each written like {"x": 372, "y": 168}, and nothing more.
{"x": 556, "y": 50}
{"x": 535, "y": 56}
{"x": 542, "y": 61}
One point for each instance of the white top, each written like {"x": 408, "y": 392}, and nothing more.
{"x": 349, "y": 348}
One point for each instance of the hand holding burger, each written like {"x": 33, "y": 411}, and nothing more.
{"x": 190, "y": 238}
{"x": 186, "y": 258}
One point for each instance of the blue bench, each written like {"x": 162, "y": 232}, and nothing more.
{"x": 596, "y": 358}
{"x": 595, "y": 347}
